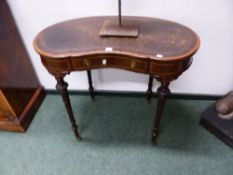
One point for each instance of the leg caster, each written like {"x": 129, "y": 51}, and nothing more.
{"x": 154, "y": 136}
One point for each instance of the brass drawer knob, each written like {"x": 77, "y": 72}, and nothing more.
{"x": 133, "y": 64}
{"x": 86, "y": 62}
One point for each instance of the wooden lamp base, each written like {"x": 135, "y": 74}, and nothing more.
{"x": 128, "y": 28}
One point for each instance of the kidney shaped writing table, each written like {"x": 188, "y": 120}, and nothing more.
{"x": 163, "y": 50}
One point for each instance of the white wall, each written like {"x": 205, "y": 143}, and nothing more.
{"x": 212, "y": 69}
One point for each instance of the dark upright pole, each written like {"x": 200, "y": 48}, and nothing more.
{"x": 119, "y": 12}
{"x": 149, "y": 90}
{"x": 91, "y": 89}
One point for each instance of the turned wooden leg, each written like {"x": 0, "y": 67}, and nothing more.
{"x": 149, "y": 90}
{"x": 91, "y": 89}
{"x": 62, "y": 89}
{"x": 163, "y": 91}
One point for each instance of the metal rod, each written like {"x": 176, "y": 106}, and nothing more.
{"x": 119, "y": 12}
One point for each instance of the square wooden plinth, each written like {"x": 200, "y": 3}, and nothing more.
{"x": 22, "y": 121}
{"x": 111, "y": 28}
{"x": 223, "y": 129}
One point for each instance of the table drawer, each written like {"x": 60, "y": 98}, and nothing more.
{"x": 55, "y": 66}
{"x": 170, "y": 70}
{"x": 115, "y": 62}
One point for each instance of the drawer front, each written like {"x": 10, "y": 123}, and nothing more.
{"x": 57, "y": 65}
{"x": 169, "y": 69}
{"x": 89, "y": 63}
{"x": 131, "y": 64}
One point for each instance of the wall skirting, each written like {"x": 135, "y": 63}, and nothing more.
{"x": 141, "y": 94}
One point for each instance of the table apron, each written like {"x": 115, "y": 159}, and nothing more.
{"x": 141, "y": 65}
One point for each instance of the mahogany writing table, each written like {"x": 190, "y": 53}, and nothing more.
{"x": 163, "y": 50}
